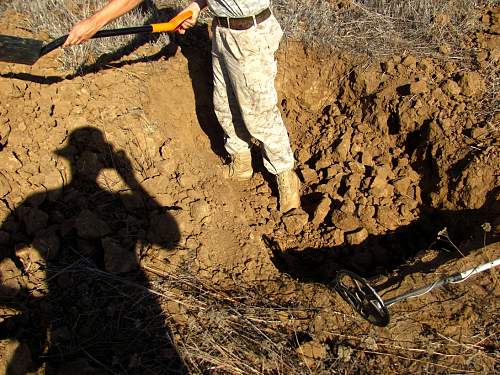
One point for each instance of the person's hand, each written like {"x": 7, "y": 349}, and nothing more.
{"x": 190, "y": 22}
{"x": 82, "y": 31}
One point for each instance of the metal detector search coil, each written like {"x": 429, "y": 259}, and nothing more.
{"x": 356, "y": 291}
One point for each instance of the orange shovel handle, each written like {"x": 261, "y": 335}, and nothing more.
{"x": 173, "y": 24}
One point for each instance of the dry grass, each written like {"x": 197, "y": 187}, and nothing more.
{"x": 245, "y": 331}
{"x": 381, "y": 27}
{"x": 375, "y": 27}
{"x": 215, "y": 331}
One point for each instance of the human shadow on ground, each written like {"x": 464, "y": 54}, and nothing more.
{"x": 195, "y": 46}
{"x": 86, "y": 306}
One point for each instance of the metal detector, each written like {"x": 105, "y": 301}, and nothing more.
{"x": 356, "y": 291}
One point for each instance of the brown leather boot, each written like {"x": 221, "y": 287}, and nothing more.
{"x": 240, "y": 167}
{"x": 288, "y": 187}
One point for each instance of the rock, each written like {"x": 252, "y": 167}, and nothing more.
{"x": 200, "y": 210}
{"x": 62, "y": 108}
{"x": 471, "y": 83}
{"x": 156, "y": 185}
{"x": 387, "y": 217}
{"x": 47, "y": 244}
{"x": 322, "y": 210}
{"x": 380, "y": 188}
{"x": 309, "y": 175}
{"x": 367, "y": 156}
{"x": 164, "y": 230}
{"x": 354, "y": 180}
{"x": 384, "y": 171}
{"x": 5, "y": 187}
{"x": 365, "y": 212}
{"x": 345, "y": 221}
{"x": 341, "y": 152}
{"x": 303, "y": 154}
{"x": 9, "y": 278}
{"x": 344, "y": 353}
{"x": 187, "y": 180}
{"x": 357, "y": 237}
{"x": 405, "y": 212}
{"x": 419, "y": 87}
{"x": 53, "y": 181}
{"x": 325, "y": 161}
{"x": 116, "y": 258}
{"x": 334, "y": 171}
{"x": 348, "y": 206}
{"x": 90, "y": 227}
{"x": 338, "y": 237}
{"x": 167, "y": 166}
{"x": 356, "y": 167}
{"x": 366, "y": 81}
{"x": 9, "y": 162}
{"x": 33, "y": 218}
{"x": 478, "y": 133}
{"x": 295, "y": 221}
{"x": 192, "y": 243}
{"x": 450, "y": 88}
{"x": 402, "y": 185}
{"x": 410, "y": 61}
{"x": 312, "y": 350}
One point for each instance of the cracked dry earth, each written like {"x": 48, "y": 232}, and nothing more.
{"x": 111, "y": 193}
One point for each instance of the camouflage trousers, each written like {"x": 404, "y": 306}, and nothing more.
{"x": 245, "y": 99}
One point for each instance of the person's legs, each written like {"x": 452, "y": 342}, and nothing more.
{"x": 225, "y": 104}
{"x": 237, "y": 138}
{"x": 251, "y": 67}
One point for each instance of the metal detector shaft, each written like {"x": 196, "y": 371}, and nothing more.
{"x": 455, "y": 278}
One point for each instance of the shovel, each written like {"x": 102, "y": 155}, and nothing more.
{"x": 28, "y": 51}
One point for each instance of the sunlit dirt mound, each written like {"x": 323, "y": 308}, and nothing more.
{"x": 125, "y": 251}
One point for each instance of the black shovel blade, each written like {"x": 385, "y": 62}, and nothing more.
{"x": 19, "y": 50}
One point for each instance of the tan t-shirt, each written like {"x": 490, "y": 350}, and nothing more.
{"x": 237, "y": 8}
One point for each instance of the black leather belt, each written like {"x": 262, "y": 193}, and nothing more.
{"x": 244, "y": 22}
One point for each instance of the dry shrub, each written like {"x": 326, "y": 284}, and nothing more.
{"x": 375, "y": 27}
{"x": 381, "y": 27}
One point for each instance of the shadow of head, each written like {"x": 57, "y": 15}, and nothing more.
{"x": 90, "y": 208}
{"x": 88, "y": 152}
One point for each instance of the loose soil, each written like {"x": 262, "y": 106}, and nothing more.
{"x": 119, "y": 236}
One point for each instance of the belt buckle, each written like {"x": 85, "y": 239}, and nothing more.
{"x": 221, "y": 23}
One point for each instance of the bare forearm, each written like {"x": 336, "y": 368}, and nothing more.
{"x": 86, "y": 28}
{"x": 113, "y": 10}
